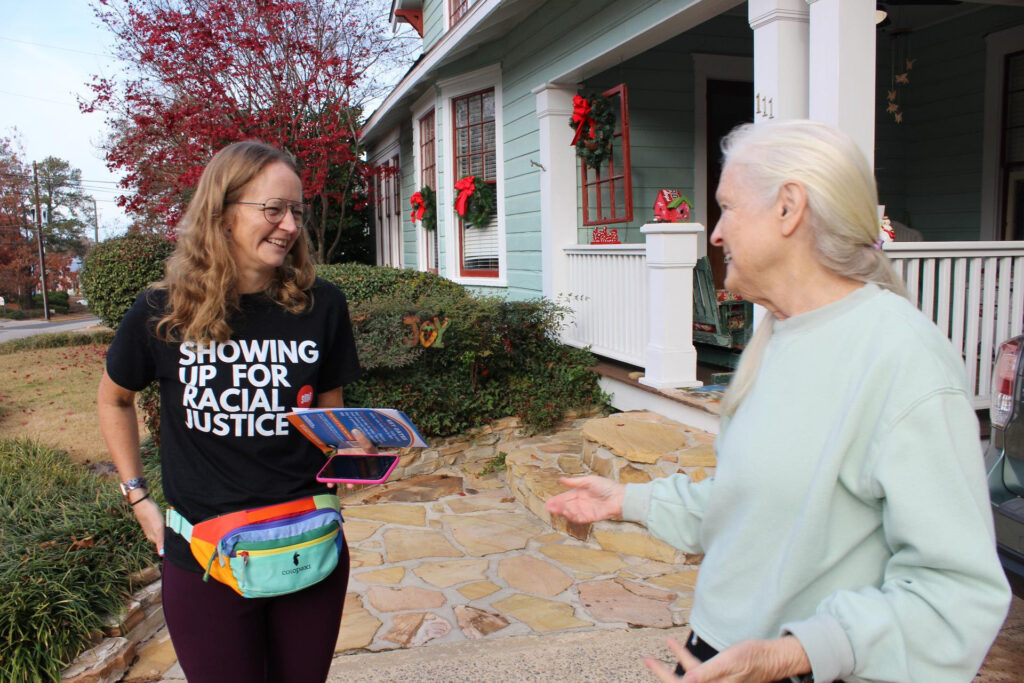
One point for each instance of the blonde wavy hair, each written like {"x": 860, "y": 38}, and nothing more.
{"x": 841, "y": 209}
{"x": 201, "y": 276}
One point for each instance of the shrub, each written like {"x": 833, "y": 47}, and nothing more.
{"x": 115, "y": 271}
{"x": 361, "y": 282}
{"x": 492, "y": 358}
{"x": 58, "y": 301}
{"x": 67, "y": 547}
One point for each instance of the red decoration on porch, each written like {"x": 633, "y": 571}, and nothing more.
{"x": 466, "y": 186}
{"x": 419, "y": 207}
{"x": 671, "y": 207}
{"x": 605, "y": 236}
{"x": 581, "y": 117}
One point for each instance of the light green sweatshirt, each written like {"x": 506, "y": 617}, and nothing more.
{"x": 849, "y": 506}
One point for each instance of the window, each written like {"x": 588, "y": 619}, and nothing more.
{"x": 608, "y": 191}
{"x": 456, "y": 10}
{"x": 474, "y": 153}
{"x": 428, "y": 178}
{"x": 387, "y": 211}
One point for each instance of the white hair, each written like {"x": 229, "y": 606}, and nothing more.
{"x": 841, "y": 210}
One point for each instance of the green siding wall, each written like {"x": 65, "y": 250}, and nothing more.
{"x": 929, "y": 167}
{"x": 661, "y": 111}
{"x": 433, "y": 22}
{"x": 559, "y": 36}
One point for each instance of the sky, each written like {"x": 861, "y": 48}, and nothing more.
{"x": 49, "y": 50}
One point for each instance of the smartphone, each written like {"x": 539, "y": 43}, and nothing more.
{"x": 368, "y": 468}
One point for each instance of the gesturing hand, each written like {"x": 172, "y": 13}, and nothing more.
{"x": 590, "y": 499}
{"x": 750, "y": 661}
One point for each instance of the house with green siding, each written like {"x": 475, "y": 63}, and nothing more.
{"x": 932, "y": 92}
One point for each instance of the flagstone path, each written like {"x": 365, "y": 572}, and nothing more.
{"x": 455, "y": 556}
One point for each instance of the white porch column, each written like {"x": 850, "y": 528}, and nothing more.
{"x": 842, "y": 73}
{"x": 557, "y": 185}
{"x": 670, "y": 361}
{"x": 780, "y": 58}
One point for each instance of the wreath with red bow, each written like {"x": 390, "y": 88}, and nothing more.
{"x": 475, "y": 201}
{"x": 424, "y": 208}
{"x": 593, "y": 120}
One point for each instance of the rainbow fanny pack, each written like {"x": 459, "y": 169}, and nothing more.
{"x": 267, "y": 551}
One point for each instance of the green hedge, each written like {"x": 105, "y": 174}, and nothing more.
{"x": 491, "y": 358}
{"x": 56, "y": 340}
{"x": 116, "y": 270}
{"x": 68, "y": 544}
{"x": 58, "y": 301}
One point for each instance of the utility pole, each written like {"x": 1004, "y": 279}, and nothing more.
{"x": 39, "y": 241}
{"x": 96, "y": 219}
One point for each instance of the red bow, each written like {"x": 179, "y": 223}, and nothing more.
{"x": 419, "y": 207}
{"x": 466, "y": 187}
{"x": 581, "y": 117}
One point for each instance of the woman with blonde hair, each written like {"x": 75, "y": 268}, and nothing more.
{"x": 238, "y": 333}
{"x": 847, "y": 531}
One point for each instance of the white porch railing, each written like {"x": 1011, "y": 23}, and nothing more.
{"x": 608, "y": 300}
{"x": 974, "y": 291}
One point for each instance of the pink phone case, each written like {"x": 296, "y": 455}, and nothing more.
{"x": 326, "y": 475}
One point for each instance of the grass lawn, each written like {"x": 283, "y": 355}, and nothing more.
{"x": 50, "y": 395}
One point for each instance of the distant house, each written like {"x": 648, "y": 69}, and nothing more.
{"x": 933, "y": 93}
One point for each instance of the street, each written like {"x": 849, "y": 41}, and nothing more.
{"x": 16, "y": 329}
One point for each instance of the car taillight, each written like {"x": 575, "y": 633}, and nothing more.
{"x": 1004, "y": 380}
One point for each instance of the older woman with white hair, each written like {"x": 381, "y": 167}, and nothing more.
{"x": 847, "y": 531}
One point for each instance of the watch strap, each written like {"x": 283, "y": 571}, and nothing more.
{"x": 132, "y": 484}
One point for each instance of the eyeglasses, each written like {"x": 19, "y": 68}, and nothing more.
{"x": 274, "y": 210}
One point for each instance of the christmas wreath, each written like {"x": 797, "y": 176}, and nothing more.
{"x": 475, "y": 202}
{"x": 424, "y": 208}
{"x": 594, "y": 122}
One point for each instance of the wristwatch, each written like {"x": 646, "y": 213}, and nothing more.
{"x": 132, "y": 484}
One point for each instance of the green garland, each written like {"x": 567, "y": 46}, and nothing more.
{"x": 481, "y": 204}
{"x": 429, "y": 220}
{"x": 596, "y": 150}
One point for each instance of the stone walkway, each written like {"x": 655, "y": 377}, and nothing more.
{"x": 454, "y": 556}
{"x": 456, "y": 559}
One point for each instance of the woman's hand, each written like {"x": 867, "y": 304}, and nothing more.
{"x": 750, "y": 661}
{"x": 151, "y": 519}
{"x": 590, "y": 499}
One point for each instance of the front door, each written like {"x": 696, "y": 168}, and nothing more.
{"x": 729, "y": 103}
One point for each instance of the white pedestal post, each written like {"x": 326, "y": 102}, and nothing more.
{"x": 670, "y": 361}
{"x": 842, "y": 73}
{"x": 780, "y": 58}
{"x": 557, "y": 185}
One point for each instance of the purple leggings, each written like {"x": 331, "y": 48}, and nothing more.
{"x": 220, "y": 637}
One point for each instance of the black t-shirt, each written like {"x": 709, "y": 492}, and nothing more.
{"x": 225, "y": 443}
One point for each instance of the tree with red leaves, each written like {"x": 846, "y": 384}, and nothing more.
{"x": 205, "y": 73}
{"x": 18, "y": 252}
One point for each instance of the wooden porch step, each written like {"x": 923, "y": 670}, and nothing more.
{"x": 633, "y": 447}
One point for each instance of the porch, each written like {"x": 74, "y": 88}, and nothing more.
{"x": 633, "y": 304}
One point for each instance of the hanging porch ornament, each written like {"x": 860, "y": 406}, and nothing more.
{"x": 594, "y": 122}
{"x": 475, "y": 202}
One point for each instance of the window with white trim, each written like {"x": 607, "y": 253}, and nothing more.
{"x": 474, "y": 153}
{"x": 428, "y": 178}
{"x": 387, "y": 200}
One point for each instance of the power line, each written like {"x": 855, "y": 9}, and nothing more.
{"x": 41, "y": 99}
{"x": 56, "y": 47}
